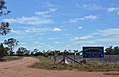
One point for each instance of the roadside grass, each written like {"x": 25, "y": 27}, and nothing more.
{"x": 90, "y": 67}
{"x": 11, "y": 58}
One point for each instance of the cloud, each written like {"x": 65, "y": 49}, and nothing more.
{"x": 91, "y": 17}
{"x": 40, "y": 17}
{"x": 36, "y": 42}
{"x": 22, "y": 43}
{"x": 34, "y": 20}
{"x": 83, "y": 37}
{"x": 109, "y": 39}
{"x": 53, "y": 38}
{"x": 43, "y": 14}
{"x": 118, "y": 13}
{"x": 108, "y": 32}
{"x": 88, "y": 17}
{"x": 80, "y": 27}
{"x": 16, "y": 32}
{"x": 46, "y": 14}
{"x": 57, "y": 29}
{"x": 37, "y": 30}
{"x": 74, "y": 20}
{"x": 57, "y": 42}
{"x": 90, "y": 6}
{"x": 112, "y": 9}
{"x": 106, "y": 36}
{"x": 48, "y": 4}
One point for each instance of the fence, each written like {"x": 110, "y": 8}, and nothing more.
{"x": 113, "y": 59}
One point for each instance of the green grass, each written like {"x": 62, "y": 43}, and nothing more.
{"x": 48, "y": 64}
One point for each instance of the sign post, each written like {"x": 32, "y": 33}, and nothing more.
{"x": 93, "y": 52}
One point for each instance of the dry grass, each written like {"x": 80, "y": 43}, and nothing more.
{"x": 90, "y": 67}
{"x": 11, "y": 58}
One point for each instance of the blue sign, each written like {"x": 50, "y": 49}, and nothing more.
{"x": 93, "y": 52}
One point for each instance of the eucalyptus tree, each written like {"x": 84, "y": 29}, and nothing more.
{"x": 22, "y": 51}
{"x": 11, "y": 43}
{"x": 3, "y": 50}
{"x": 3, "y": 8}
{"x": 4, "y": 26}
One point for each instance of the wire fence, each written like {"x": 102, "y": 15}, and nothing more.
{"x": 108, "y": 59}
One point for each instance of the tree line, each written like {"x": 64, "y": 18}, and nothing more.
{"x": 22, "y": 51}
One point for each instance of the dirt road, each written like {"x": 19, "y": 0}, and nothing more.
{"x": 19, "y": 68}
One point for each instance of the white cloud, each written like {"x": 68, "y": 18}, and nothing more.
{"x": 43, "y": 14}
{"x": 36, "y": 42}
{"x": 56, "y": 42}
{"x": 46, "y": 14}
{"x": 49, "y": 4}
{"x": 57, "y": 29}
{"x": 118, "y": 13}
{"x": 16, "y": 32}
{"x": 37, "y": 30}
{"x": 86, "y": 37}
{"x": 90, "y": 6}
{"x": 107, "y": 32}
{"x": 80, "y": 27}
{"x": 112, "y": 9}
{"x": 86, "y": 42}
{"x": 109, "y": 39}
{"x": 53, "y": 38}
{"x": 75, "y": 20}
{"x": 34, "y": 20}
{"x": 91, "y": 17}
{"x": 107, "y": 36}
{"x": 22, "y": 43}
{"x": 83, "y": 37}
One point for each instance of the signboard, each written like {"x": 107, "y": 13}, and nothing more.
{"x": 93, "y": 52}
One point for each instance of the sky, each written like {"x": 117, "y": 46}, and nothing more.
{"x": 63, "y": 24}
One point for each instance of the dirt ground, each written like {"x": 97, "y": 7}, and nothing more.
{"x": 19, "y": 68}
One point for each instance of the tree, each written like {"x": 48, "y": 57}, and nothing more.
{"x": 109, "y": 50}
{"x": 34, "y": 52}
{"x": 4, "y": 26}
{"x": 22, "y": 51}
{"x": 116, "y": 50}
{"x": 112, "y": 50}
{"x": 3, "y": 8}
{"x": 3, "y": 50}
{"x": 11, "y": 42}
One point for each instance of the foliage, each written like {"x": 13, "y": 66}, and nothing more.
{"x": 3, "y": 50}
{"x": 3, "y": 8}
{"x": 4, "y": 26}
{"x": 48, "y": 64}
{"x": 112, "y": 50}
{"x": 22, "y": 51}
{"x": 11, "y": 42}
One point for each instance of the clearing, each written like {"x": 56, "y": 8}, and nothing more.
{"x": 18, "y": 68}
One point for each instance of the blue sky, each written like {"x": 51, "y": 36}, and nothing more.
{"x": 63, "y": 24}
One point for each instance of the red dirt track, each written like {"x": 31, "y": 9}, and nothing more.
{"x": 19, "y": 68}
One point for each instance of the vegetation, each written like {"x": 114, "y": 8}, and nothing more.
{"x": 48, "y": 64}
{"x": 4, "y": 26}
{"x": 11, "y": 58}
{"x": 3, "y": 50}
{"x": 112, "y": 50}
{"x": 22, "y": 51}
{"x": 11, "y": 42}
